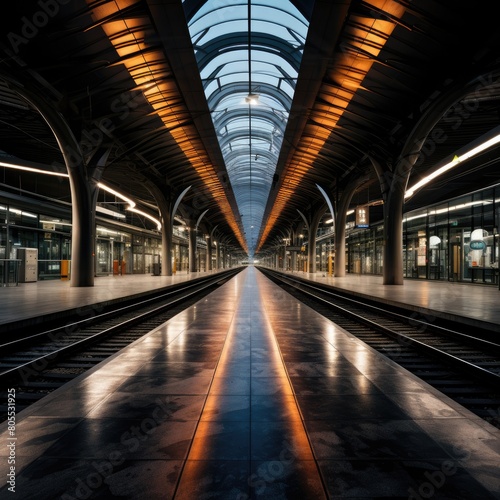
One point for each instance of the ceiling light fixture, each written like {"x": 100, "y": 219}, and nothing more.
{"x": 453, "y": 163}
{"x": 32, "y": 169}
{"x": 147, "y": 66}
{"x": 252, "y": 99}
{"x": 131, "y": 204}
{"x": 367, "y": 37}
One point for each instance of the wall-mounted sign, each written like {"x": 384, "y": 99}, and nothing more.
{"x": 477, "y": 245}
{"x": 362, "y": 217}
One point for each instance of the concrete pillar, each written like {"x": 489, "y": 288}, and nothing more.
{"x": 311, "y": 246}
{"x": 166, "y": 247}
{"x": 393, "y": 237}
{"x": 209, "y": 254}
{"x": 192, "y": 247}
{"x": 217, "y": 255}
{"x": 340, "y": 220}
{"x": 83, "y": 235}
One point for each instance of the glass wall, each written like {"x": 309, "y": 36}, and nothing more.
{"x": 113, "y": 254}
{"x": 3, "y": 232}
{"x": 119, "y": 248}
{"x": 456, "y": 240}
{"x": 365, "y": 251}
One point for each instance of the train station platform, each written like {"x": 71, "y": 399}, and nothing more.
{"x": 470, "y": 303}
{"x": 249, "y": 394}
{"x": 57, "y": 298}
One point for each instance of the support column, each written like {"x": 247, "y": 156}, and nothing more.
{"x": 83, "y": 234}
{"x": 217, "y": 255}
{"x": 311, "y": 246}
{"x": 166, "y": 246}
{"x": 311, "y": 252}
{"x": 293, "y": 263}
{"x": 192, "y": 247}
{"x": 167, "y": 216}
{"x": 208, "y": 265}
{"x": 393, "y": 182}
{"x": 340, "y": 220}
{"x": 83, "y": 188}
{"x": 393, "y": 236}
{"x": 223, "y": 257}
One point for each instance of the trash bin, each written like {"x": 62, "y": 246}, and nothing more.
{"x": 64, "y": 270}
{"x": 156, "y": 269}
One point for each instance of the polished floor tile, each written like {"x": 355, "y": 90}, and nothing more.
{"x": 223, "y": 479}
{"x": 152, "y": 437}
{"x": 109, "y": 478}
{"x": 251, "y": 395}
{"x": 401, "y": 479}
{"x": 341, "y": 385}
{"x": 365, "y": 439}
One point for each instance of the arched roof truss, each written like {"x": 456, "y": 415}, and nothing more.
{"x": 248, "y": 54}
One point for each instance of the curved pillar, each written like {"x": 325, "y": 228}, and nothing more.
{"x": 293, "y": 263}
{"x": 311, "y": 252}
{"x": 340, "y": 222}
{"x": 158, "y": 191}
{"x": 223, "y": 257}
{"x": 393, "y": 186}
{"x": 192, "y": 248}
{"x": 217, "y": 255}
{"x": 311, "y": 246}
{"x": 393, "y": 183}
{"x": 166, "y": 246}
{"x": 208, "y": 265}
{"x": 393, "y": 240}
{"x": 83, "y": 235}
{"x": 339, "y": 243}
{"x": 83, "y": 189}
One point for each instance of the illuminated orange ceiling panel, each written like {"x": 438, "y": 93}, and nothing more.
{"x": 367, "y": 37}
{"x": 149, "y": 70}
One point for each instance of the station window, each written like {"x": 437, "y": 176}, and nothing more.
{"x": 22, "y": 217}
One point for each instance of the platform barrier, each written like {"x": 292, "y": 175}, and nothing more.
{"x": 9, "y": 272}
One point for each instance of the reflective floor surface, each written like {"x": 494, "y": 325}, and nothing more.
{"x": 247, "y": 395}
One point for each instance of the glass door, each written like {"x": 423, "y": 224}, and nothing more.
{"x": 104, "y": 257}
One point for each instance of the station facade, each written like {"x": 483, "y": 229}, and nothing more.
{"x": 120, "y": 247}
{"x": 454, "y": 240}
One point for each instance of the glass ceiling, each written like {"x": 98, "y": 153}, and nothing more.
{"x": 248, "y": 53}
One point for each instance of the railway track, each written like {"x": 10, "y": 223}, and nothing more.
{"x": 35, "y": 365}
{"x": 464, "y": 367}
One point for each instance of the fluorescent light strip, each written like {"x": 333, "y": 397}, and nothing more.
{"x": 56, "y": 223}
{"x": 456, "y": 160}
{"x": 107, "y": 211}
{"x": 22, "y": 212}
{"x": 449, "y": 209}
{"x": 131, "y": 203}
{"x": 32, "y": 169}
{"x": 140, "y": 212}
{"x": 116, "y": 193}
